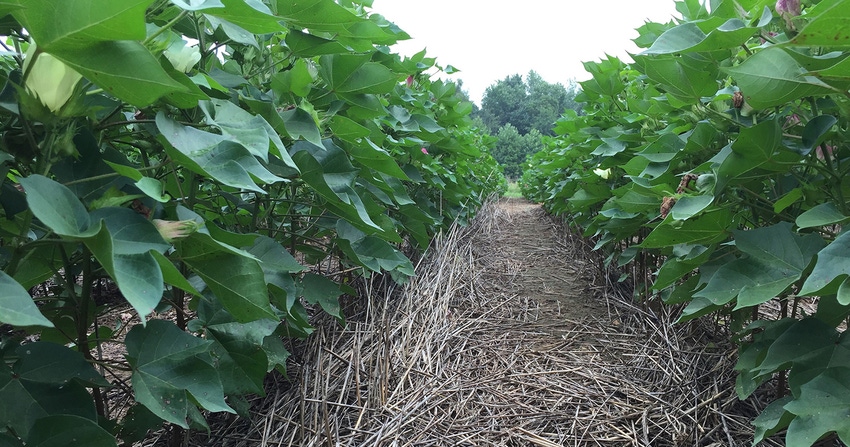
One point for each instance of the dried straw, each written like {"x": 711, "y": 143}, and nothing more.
{"x": 487, "y": 348}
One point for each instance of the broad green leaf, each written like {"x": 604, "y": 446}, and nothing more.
{"x": 213, "y": 155}
{"x": 240, "y": 126}
{"x": 706, "y": 229}
{"x": 16, "y": 305}
{"x": 370, "y": 155}
{"x": 324, "y": 292}
{"x": 685, "y": 78}
{"x": 830, "y": 27}
{"x": 61, "y": 429}
{"x": 325, "y": 15}
{"x": 251, "y": 15}
{"x": 241, "y": 359}
{"x": 123, "y": 247}
{"x": 776, "y": 258}
{"x": 355, "y": 74}
{"x": 236, "y": 281}
{"x": 832, "y": 266}
{"x": 297, "y": 80}
{"x": 689, "y": 37}
{"x": 798, "y": 345}
{"x": 50, "y": 363}
{"x": 787, "y": 200}
{"x": 772, "y": 419}
{"x": 371, "y": 252}
{"x": 823, "y": 406}
{"x": 772, "y": 77}
{"x": 329, "y": 172}
{"x": 299, "y": 123}
{"x": 22, "y": 402}
{"x": 170, "y": 367}
{"x": 58, "y": 208}
{"x": 820, "y": 215}
{"x": 150, "y": 186}
{"x": 307, "y": 45}
{"x": 172, "y": 276}
{"x": 124, "y": 69}
{"x": 235, "y": 32}
{"x": 690, "y": 206}
{"x": 78, "y": 23}
{"x": 663, "y": 149}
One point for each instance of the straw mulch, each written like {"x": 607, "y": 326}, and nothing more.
{"x": 504, "y": 338}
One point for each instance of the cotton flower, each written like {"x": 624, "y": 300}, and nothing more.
{"x": 787, "y": 9}
{"x": 425, "y": 151}
{"x": 49, "y": 79}
{"x": 182, "y": 57}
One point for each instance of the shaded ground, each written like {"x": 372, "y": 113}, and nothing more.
{"x": 502, "y": 339}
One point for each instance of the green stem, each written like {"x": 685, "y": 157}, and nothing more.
{"x": 113, "y": 174}
{"x": 165, "y": 27}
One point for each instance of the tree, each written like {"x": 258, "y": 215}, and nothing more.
{"x": 511, "y": 148}
{"x": 527, "y": 104}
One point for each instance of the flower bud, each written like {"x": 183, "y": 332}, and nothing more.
{"x": 171, "y": 230}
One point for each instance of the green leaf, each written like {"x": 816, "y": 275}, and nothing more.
{"x": 299, "y": 123}
{"x": 689, "y": 37}
{"x": 17, "y": 307}
{"x": 705, "y": 229}
{"x": 324, "y": 292}
{"x": 236, "y": 281}
{"x": 689, "y": 206}
{"x": 123, "y": 247}
{"x": 772, "y": 419}
{"x": 820, "y": 215}
{"x": 75, "y": 24}
{"x": 50, "y": 363}
{"x": 370, "y": 155}
{"x": 251, "y": 15}
{"x": 172, "y": 276}
{"x": 62, "y": 429}
{"x": 22, "y": 401}
{"x": 330, "y": 173}
{"x": 251, "y": 131}
{"x": 776, "y": 258}
{"x": 242, "y": 361}
{"x": 823, "y": 406}
{"x": 171, "y": 369}
{"x": 830, "y": 27}
{"x": 772, "y": 77}
{"x": 213, "y": 155}
{"x": 348, "y": 73}
{"x": 687, "y": 79}
{"x": 124, "y": 69}
{"x": 832, "y": 266}
{"x": 58, "y": 208}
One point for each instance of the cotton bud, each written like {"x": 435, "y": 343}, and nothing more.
{"x": 171, "y": 230}
{"x": 182, "y": 57}
{"x": 49, "y": 79}
{"x": 425, "y": 151}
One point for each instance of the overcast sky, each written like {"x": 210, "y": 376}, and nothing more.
{"x": 491, "y": 39}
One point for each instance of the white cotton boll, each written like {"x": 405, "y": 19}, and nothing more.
{"x": 182, "y": 57}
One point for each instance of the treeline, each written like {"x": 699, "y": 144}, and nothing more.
{"x": 519, "y": 112}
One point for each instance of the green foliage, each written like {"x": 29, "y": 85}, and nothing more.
{"x": 717, "y": 166}
{"x": 199, "y": 155}
{"x": 526, "y": 104}
{"x": 511, "y": 148}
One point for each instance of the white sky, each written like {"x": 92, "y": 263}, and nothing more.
{"x": 491, "y": 39}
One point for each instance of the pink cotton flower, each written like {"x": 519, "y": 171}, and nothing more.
{"x": 410, "y": 81}
{"x": 823, "y": 151}
{"x": 788, "y": 9}
{"x": 425, "y": 151}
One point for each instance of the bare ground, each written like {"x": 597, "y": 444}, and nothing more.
{"x": 506, "y": 337}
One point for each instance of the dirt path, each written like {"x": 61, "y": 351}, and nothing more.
{"x": 500, "y": 340}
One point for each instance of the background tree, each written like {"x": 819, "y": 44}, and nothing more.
{"x": 519, "y": 112}
{"x": 511, "y": 148}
